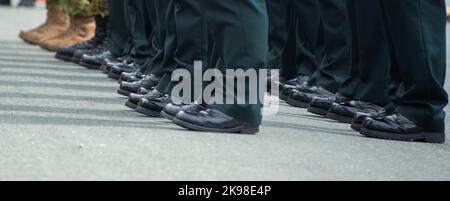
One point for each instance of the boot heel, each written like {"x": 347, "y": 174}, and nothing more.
{"x": 250, "y": 130}
{"x": 435, "y": 137}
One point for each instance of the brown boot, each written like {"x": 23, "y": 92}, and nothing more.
{"x": 80, "y": 29}
{"x": 57, "y": 21}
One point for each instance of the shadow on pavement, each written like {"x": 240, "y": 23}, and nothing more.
{"x": 58, "y": 86}
{"x": 40, "y": 120}
{"x": 99, "y": 100}
{"x": 55, "y": 77}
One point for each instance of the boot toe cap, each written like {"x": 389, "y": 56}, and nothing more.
{"x": 321, "y": 103}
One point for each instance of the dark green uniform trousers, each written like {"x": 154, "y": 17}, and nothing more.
{"x": 130, "y": 29}
{"x": 280, "y": 18}
{"x": 416, "y": 31}
{"x": 150, "y": 27}
{"x": 192, "y": 43}
{"x": 333, "y": 50}
{"x": 142, "y": 33}
{"x": 140, "y": 29}
{"x": 157, "y": 17}
{"x": 239, "y": 30}
{"x": 186, "y": 41}
{"x": 299, "y": 55}
{"x": 370, "y": 75}
{"x": 170, "y": 45}
{"x": 119, "y": 31}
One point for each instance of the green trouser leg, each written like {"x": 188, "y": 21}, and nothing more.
{"x": 150, "y": 29}
{"x": 119, "y": 32}
{"x": 416, "y": 32}
{"x": 333, "y": 45}
{"x": 214, "y": 60}
{"x": 157, "y": 17}
{"x": 369, "y": 78}
{"x": 239, "y": 30}
{"x": 299, "y": 57}
{"x": 170, "y": 45}
{"x": 279, "y": 18}
{"x": 141, "y": 29}
{"x": 131, "y": 22}
{"x": 192, "y": 39}
{"x": 190, "y": 43}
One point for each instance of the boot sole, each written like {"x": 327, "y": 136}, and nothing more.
{"x": 167, "y": 116}
{"x": 318, "y": 111}
{"x": 29, "y": 42}
{"x": 422, "y": 136}
{"x": 131, "y": 105}
{"x": 76, "y": 60}
{"x": 283, "y": 97}
{"x": 65, "y": 58}
{"x": 113, "y": 76}
{"x": 239, "y": 129}
{"x": 356, "y": 127}
{"x": 148, "y": 112}
{"x": 340, "y": 118}
{"x": 89, "y": 66}
{"x": 47, "y": 48}
{"x": 297, "y": 103}
{"x": 105, "y": 70}
{"x": 121, "y": 79}
{"x": 121, "y": 71}
{"x": 123, "y": 92}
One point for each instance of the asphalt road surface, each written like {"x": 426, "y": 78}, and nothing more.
{"x": 59, "y": 121}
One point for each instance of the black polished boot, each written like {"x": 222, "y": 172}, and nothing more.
{"x": 172, "y": 109}
{"x": 88, "y": 53}
{"x": 147, "y": 82}
{"x": 116, "y": 70}
{"x": 321, "y": 106}
{"x": 112, "y": 61}
{"x": 304, "y": 97}
{"x": 66, "y": 53}
{"x": 95, "y": 61}
{"x": 212, "y": 120}
{"x": 360, "y": 117}
{"x": 133, "y": 99}
{"x": 398, "y": 127}
{"x": 108, "y": 63}
{"x": 153, "y": 106}
{"x": 143, "y": 90}
{"x": 286, "y": 86}
{"x": 345, "y": 112}
{"x": 78, "y": 55}
{"x": 132, "y": 77}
